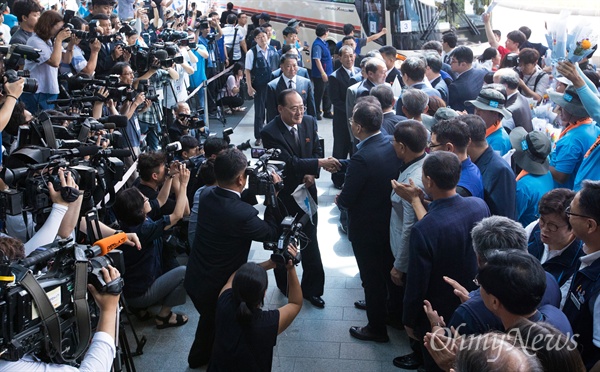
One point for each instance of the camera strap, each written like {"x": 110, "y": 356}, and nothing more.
{"x": 50, "y": 319}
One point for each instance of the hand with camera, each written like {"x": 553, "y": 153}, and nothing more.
{"x": 62, "y": 35}
{"x": 65, "y": 181}
{"x": 14, "y": 89}
{"x": 117, "y": 52}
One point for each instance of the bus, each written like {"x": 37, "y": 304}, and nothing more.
{"x": 409, "y": 23}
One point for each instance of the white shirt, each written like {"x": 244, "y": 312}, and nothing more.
{"x": 287, "y": 81}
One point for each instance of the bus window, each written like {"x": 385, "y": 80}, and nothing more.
{"x": 409, "y": 19}
{"x": 372, "y": 15}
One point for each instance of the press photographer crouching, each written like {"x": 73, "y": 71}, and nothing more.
{"x": 246, "y": 334}
{"x": 101, "y": 352}
{"x": 147, "y": 282}
{"x": 187, "y": 123}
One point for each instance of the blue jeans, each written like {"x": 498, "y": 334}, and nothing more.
{"x": 38, "y": 102}
{"x": 152, "y": 133}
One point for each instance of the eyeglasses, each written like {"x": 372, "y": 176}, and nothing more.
{"x": 297, "y": 109}
{"x": 570, "y": 214}
{"x": 432, "y": 145}
{"x": 550, "y": 226}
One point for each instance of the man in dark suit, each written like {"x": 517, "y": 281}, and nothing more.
{"x": 366, "y": 196}
{"x": 389, "y": 57}
{"x": 468, "y": 82}
{"x": 433, "y": 74}
{"x": 516, "y": 103}
{"x": 295, "y": 134}
{"x": 289, "y": 80}
{"x": 439, "y": 246}
{"x": 339, "y": 81}
{"x": 224, "y": 232}
{"x": 385, "y": 96}
{"x": 375, "y": 70}
{"x": 413, "y": 75}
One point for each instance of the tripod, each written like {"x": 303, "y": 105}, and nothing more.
{"x": 124, "y": 355}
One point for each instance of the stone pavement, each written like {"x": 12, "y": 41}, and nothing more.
{"x": 318, "y": 340}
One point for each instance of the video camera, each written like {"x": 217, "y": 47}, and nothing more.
{"x": 291, "y": 233}
{"x": 47, "y": 314}
{"x": 12, "y": 55}
{"x": 260, "y": 178}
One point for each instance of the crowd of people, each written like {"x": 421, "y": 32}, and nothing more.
{"x": 468, "y": 185}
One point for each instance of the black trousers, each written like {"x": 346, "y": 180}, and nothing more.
{"x": 313, "y": 276}
{"x": 321, "y": 94}
{"x": 375, "y": 260}
{"x": 260, "y": 98}
{"x": 342, "y": 143}
{"x": 201, "y": 349}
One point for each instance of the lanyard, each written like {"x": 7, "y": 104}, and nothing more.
{"x": 577, "y": 124}
{"x": 593, "y": 147}
{"x": 492, "y": 129}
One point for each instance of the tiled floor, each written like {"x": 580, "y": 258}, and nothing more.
{"x": 318, "y": 340}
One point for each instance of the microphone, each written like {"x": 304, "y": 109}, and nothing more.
{"x": 120, "y": 121}
{"x": 60, "y": 102}
{"x": 76, "y": 152}
{"x": 117, "y": 153}
{"x": 81, "y": 79}
{"x": 109, "y": 126}
{"x": 103, "y": 246}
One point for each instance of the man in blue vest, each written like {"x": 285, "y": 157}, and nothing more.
{"x": 582, "y": 305}
{"x": 322, "y": 67}
{"x": 261, "y": 60}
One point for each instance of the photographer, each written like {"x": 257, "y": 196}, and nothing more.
{"x": 146, "y": 29}
{"x": 181, "y": 126}
{"x": 79, "y": 64}
{"x": 45, "y": 70}
{"x": 224, "y": 232}
{"x": 147, "y": 281}
{"x": 176, "y": 90}
{"x": 246, "y": 334}
{"x": 100, "y": 24}
{"x": 8, "y": 101}
{"x": 102, "y": 351}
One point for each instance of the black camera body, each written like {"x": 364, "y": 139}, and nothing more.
{"x": 23, "y": 331}
{"x": 260, "y": 179}
{"x": 291, "y": 231}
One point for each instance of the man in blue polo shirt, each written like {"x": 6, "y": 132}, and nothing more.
{"x": 322, "y": 67}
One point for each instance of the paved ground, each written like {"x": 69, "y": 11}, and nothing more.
{"x": 318, "y": 340}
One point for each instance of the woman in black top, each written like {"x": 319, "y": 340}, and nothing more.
{"x": 246, "y": 334}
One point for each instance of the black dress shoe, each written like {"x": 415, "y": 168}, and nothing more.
{"x": 409, "y": 361}
{"x": 317, "y": 301}
{"x": 365, "y": 334}
{"x": 360, "y": 304}
{"x": 319, "y": 117}
{"x": 328, "y": 115}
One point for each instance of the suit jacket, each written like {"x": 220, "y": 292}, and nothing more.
{"x": 299, "y": 160}
{"x": 364, "y": 88}
{"x": 440, "y": 245}
{"x": 464, "y": 88}
{"x": 351, "y": 95}
{"x": 224, "y": 232}
{"x": 440, "y": 85}
{"x": 390, "y": 119}
{"x": 105, "y": 61}
{"x": 393, "y": 75}
{"x": 339, "y": 81}
{"x": 275, "y": 44}
{"x": 420, "y": 86}
{"x": 301, "y": 72}
{"x": 367, "y": 189}
{"x": 303, "y": 87}
{"x": 518, "y": 105}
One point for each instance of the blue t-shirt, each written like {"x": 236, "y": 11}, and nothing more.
{"x": 569, "y": 151}
{"x": 10, "y": 20}
{"x": 470, "y": 178}
{"x": 499, "y": 141}
{"x": 589, "y": 169}
{"x": 200, "y": 74}
{"x": 530, "y": 190}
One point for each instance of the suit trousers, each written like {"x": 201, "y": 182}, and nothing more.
{"x": 201, "y": 349}
{"x": 260, "y": 98}
{"x": 321, "y": 94}
{"x": 342, "y": 144}
{"x": 313, "y": 275}
{"x": 375, "y": 260}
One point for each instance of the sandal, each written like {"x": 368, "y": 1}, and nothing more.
{"x": 165, "y": 321}
{"x": 141, "y": 314}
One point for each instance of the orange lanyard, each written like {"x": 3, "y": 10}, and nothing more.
{"x": 522, "y": 174}
{"x": 492, "y": 129}
{"x": 593, "y": 147}
{"x": 577, "y": 124}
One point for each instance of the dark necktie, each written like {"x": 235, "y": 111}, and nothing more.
{"x": 294, "y": 132}
{"x": 290, "y": 84}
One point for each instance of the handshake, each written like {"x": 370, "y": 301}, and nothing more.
{"x": 331, "y": 164}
